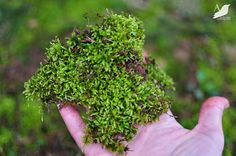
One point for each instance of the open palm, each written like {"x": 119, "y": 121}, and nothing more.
{"x": 165, "y": 137}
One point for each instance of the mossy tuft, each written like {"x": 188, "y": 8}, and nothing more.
{"x": 101, "y": 68}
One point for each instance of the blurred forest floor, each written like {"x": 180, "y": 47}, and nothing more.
{"x": 199, "y": 53}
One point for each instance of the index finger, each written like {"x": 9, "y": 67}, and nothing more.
{"x": 76, "y": 126}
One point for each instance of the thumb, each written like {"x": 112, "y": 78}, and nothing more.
{"x": 210, "y": 117}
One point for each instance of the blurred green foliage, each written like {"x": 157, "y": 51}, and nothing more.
{"x": 197, "y": 51}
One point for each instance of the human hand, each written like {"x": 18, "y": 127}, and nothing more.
{"x": 165, "y": 137}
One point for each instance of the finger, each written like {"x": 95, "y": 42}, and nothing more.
{"x": 210, "y": 117}
{"x": 168, "y": 116}
{"x": 73, "y": 122}
{"x": 165, "y": 117}
{"x": 76, "y": 127}
{"x": 166, "y": 121}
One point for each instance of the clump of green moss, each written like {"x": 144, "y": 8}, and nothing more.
{"x": 101, "y": 68}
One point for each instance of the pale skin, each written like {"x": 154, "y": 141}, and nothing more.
{"x": 165, "y": 137}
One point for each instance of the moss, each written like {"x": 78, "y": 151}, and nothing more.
{"x": 101, "y": 68}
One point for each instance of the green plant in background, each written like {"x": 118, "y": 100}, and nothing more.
{"x": 201, "y": 67}
{"x": 102, "y": 69}
{"x": 24, "y": 125}
{"x": 229, "y": 131}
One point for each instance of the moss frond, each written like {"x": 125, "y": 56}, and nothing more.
{"x": 102, "y": 69}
